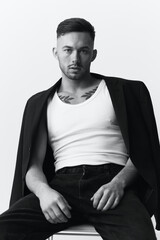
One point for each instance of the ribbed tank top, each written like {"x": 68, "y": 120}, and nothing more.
{"x": 85, "y": 133}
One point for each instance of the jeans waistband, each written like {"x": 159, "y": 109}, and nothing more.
{"x": 90, "y": 168}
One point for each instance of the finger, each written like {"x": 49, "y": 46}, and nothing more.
{"x": 116, "y": 202}
{"x": 53, "y": 217}
{"x": 96, "y": 198}
{"x": 109, "y": 203}
{"x": 48, "y": 218}
{"x": 65, "y": 201}
{"x": 103, "y": 201}
{"x": 64, "y": 207}
{"x": 60, "y": 217}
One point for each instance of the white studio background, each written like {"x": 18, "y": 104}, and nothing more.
{"x": 127, "y": 39}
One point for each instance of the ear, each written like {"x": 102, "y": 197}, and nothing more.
{"x": 55, "y": 52}
{"x": 94, "y": 54}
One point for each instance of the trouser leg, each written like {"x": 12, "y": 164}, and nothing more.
{"x": 25, "y": 221}
{"x": 128, "y": 221}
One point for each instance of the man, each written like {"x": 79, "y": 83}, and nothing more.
{"x": 88, "y": 152}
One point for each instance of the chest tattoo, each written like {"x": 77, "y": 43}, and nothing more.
{"x": 68, "y": 99}
{"x": 88, "y": 94}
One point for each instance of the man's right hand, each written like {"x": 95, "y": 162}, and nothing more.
{"x": 54, "y": 206}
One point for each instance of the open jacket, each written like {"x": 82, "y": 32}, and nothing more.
{"x": 134, "y": 112}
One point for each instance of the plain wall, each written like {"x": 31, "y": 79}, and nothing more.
{"x": 127, "y": 40}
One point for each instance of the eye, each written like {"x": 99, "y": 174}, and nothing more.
{"x": 84, "y": 51}
{"x": 68, "y": 50}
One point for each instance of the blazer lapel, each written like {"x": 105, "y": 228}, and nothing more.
{"x": 118, "y": 100}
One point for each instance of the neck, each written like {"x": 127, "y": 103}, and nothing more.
{"x": 74, "y": 85}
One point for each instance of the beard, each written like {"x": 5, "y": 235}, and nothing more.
{"x": 74, "y": 74}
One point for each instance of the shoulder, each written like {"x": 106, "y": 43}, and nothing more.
{"x": 127, "y": 84}
{"x": 37, "y": 101}
{"x": 130, "y": 87}
{"x": 119, "y": 80}
{"x": 42, "y": 95}
{"x": 124, "y": 81}
{"x": 38, "y": 95}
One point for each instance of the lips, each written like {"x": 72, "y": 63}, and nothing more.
{"x": 75, "y": 68}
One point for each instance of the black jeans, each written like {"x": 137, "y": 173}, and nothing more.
{"x": 128, "y": 221}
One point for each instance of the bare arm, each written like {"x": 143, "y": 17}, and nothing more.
{"x": 110, "y": 194}
{"x": 54, "y": 207}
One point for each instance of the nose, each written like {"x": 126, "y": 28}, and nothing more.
{"x": 75, "y": 57}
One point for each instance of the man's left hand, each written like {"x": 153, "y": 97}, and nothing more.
{"x": 108, "y": 196}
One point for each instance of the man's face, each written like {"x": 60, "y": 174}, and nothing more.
{"x": 75, "y": 54}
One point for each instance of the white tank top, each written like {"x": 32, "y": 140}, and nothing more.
{"x": 85, "y": 133}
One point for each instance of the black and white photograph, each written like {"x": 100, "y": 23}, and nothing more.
{"x": 80, "y": 120}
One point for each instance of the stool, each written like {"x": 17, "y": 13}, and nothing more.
{"x": 85, "y": 232}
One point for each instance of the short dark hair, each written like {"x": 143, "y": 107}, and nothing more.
{"x": 75, "y": 25}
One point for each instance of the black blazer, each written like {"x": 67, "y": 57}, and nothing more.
{"x": 134, "y": 111}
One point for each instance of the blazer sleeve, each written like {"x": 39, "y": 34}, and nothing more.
{"x": 148, "y": 113}
{"x": 149, "y": 117}
{"x": 16, "y": 192}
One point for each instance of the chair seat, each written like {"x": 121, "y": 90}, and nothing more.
{"x": 84, "y": 229}
{"x": 79, "y": 230}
